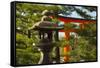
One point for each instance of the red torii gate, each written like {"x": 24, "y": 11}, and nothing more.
{"x": 67, "y": 32}
{"x": 75, "y": 20}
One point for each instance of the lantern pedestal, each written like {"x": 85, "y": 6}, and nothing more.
{"x": 46, "y": 47}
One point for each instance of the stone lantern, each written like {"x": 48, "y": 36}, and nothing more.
{"x": 46, "y": 30}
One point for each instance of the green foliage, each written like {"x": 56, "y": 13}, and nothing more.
{"x": 26, "y": 16}
{"x": 69, "y": 26}
{"x": 22, "y": 41}
{"x": 62, "y": 42}
{"x": 25, "y": 52}
{"x": 27, "y": 56}
{"x": 86, "y": 47}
